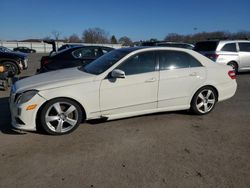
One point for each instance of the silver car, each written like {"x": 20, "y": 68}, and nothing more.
{"x": 231, "y": 52}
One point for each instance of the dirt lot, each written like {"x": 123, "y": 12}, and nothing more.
{"x": 161, "y": 150}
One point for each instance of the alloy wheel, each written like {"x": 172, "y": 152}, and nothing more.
{"x": 61, "y": 117}
{"x": 205, "y": 101}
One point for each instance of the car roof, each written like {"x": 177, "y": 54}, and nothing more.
{"x": 224, "y": 41}
{"x": 151, "y": 48}
{"x": 94, "y": 46}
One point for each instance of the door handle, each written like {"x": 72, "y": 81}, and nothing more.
{"x": 193, "y": 74}
{"x": 151, "y": 80}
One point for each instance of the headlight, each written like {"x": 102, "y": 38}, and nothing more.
{"x": 26, "y": 96}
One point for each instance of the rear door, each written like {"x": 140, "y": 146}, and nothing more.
{"x": 244, "y": 55}
{"x": 180, "y": 75}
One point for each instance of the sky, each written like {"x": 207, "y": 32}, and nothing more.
{"x": 137, "y": 19}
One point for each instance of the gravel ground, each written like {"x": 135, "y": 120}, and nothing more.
{"x": 160, "y": 150}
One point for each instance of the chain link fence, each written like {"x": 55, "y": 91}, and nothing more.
{"x": 42, "y": 47}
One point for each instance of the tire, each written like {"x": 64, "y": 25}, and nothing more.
{"x": 235, "y": 66}
{"x": 60, "y": 116}
{"x": 204, "y": 100}
{"x": 11, "y": 68}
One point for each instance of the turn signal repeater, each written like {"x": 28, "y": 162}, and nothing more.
{"x": 31, "y": 107}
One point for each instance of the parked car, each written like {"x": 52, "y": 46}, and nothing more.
{"x": 63, "y": 47}
{"x": 168, "y": 44}
{"x": 24, "y": 50}
{"x": 231, "y": 52}
{"x": 123, "y": 83}
{"x": 4, "y": 78}
{"x": 4, "y": 49}
{"x": 72, "y": 57}
{"x": 14, "y": 63}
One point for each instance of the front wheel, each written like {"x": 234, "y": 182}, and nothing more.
{"x": 60, "y": 116}
{"x": 204, "y": 101}
{"x": 11, "y": 68}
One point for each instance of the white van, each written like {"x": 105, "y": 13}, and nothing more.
{"x": 232, "y": 52}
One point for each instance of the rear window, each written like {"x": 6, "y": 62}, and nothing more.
{"x": 206, "y": 46}
{"x": 175, "y": 60}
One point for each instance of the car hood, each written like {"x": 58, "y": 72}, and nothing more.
{"x": 13, "y": 55}
{"x": 53, "y": 79}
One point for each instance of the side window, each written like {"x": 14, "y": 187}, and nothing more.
{"x": 231, "y": 47}
{"x": 176, "y": 60}
{"x": 86, "y": 52}
{"x": 244, "y": 46}
{"x": 97, "y": 52}
{"x": 139, "y": 63}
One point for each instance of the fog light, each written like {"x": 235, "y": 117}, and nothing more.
{"x": 31, "y": 107}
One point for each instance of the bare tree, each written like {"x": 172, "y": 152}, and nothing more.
{"x": 125, "y": 41}
{"x": 74, "y": 38}
{"x": 56, "y": 35}
{"x": 95, "y": 35}
{"x": 241, "y": 35}
{"x": 65, "y": 39}
{"x": 174, "y": 37}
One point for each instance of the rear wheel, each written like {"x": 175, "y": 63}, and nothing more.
{"x": 60, "y": 116}
{"x": 234, "y": 65}
{"x": 204, "y": 101}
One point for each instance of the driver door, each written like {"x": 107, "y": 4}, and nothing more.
{"x": 134, "y": 93}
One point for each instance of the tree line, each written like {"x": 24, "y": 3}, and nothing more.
{"x": 94, "y": 36}
{"x": 201, "y": 36}
{"x": 100, "y": 36}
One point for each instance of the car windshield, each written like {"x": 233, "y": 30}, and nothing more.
{"x": 3, "y": 49}
{"x": 103, "y": 63}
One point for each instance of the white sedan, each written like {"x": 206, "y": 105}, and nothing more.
{"x": 123, "y": 83}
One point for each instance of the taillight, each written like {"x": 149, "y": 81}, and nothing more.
{"x": 212, "y": 56}
{"x": 232, "y": 74}
{"x": 45, "y": 62}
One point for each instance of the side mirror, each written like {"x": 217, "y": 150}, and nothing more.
{"x": 117, "y": 73}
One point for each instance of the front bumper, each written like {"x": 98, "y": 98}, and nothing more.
{"x": 25, "y": 119}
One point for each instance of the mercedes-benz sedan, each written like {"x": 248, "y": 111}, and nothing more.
{"x": 123, "y": 83}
